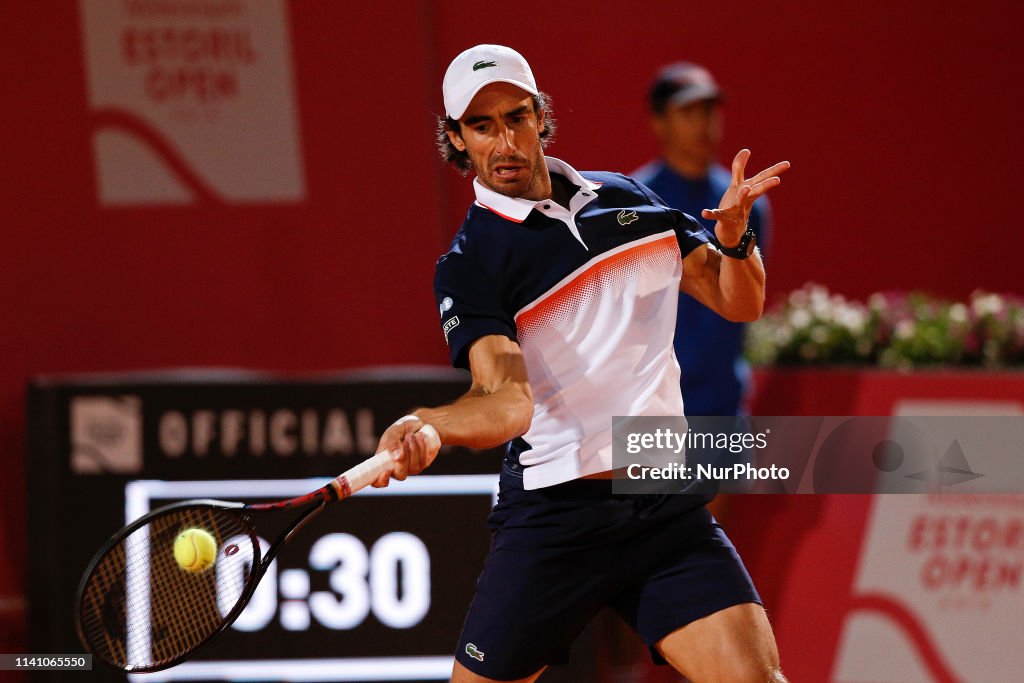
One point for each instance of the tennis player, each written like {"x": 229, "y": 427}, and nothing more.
{"x": 559, "y": 295}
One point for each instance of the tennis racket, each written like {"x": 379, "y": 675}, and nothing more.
{"x": 139, "y": 611}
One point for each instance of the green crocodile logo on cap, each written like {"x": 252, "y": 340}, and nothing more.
{"x": 484, "y": 65}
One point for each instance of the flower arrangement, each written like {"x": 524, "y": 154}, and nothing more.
{"x": 815, "y": 327}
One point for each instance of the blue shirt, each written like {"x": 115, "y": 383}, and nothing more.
{"x": 715, "y": 377}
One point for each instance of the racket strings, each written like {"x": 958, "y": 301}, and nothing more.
{"x": 141, "y": 610}
{"x": 185, "y": 620}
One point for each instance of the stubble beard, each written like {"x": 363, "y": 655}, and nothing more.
{"x": 522, "y": 188}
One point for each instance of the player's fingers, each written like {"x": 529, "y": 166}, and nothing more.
{"x": 776, "y": 169}
{"x": 431, "y": 441}
{"x": 735, "y": 214}
{"x": 414, "y": 446}
{"x": 739, "y": 163}
{"x": 426, "y": 454}
{"x": 400, "y": 461}
{"x": 760, "y": 188}
{"x": 381, "y": 481}
{"x": 721, "y": 214}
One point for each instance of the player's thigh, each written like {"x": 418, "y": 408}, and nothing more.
{"x": 733, "y": 645}
{"x": 461, "y": 674}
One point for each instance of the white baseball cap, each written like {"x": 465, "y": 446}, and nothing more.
{"x": 479, "y": 66}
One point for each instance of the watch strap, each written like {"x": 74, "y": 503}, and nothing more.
{"x": 742, "y": 250}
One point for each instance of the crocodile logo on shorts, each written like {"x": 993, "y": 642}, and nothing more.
{"x": 474, "y": 653}
{"x": 626, "y": 217}
{"x": 482, "y": 64}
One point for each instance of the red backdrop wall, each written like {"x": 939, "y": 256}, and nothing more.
{"x": 901, "y": 122}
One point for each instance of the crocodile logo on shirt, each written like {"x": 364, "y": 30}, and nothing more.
{"x": 626, "y": 217}
{"x": 474, "y": 653}
{"x": 484, "y": 65}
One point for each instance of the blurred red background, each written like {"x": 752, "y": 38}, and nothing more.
{"x": 901, "y": 120}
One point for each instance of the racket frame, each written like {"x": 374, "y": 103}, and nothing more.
{"x": 260, "y": 561}
{"x": 339, "y": 488}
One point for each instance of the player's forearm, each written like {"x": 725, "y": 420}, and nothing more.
{"x": 482, "y": 419}
{"x": 741, "y": 288}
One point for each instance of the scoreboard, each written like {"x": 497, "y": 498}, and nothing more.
{"x": 373, "y": 589}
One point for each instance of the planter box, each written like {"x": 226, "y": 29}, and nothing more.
{"x": 852, "y": 391}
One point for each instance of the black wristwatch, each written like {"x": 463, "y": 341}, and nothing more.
{"x": 742, "y": 250}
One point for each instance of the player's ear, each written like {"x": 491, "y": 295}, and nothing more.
{"x": 456, "y": 140}
{"x": 541, "y": 124}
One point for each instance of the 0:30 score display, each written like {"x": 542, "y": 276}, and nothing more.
{"x": 390, "y": 580}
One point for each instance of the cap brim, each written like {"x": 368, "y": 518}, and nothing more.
{"x": 462, "y": 104}
{"x": 695, "y": 93}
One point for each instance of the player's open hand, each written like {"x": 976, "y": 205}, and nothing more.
{"x": 734, "y": 208}
{"x": 414, "y": 445}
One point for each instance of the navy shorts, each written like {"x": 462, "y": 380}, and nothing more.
{"x": 560, "y": 554}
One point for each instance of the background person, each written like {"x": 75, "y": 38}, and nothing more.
{"x": 686, "y": 118}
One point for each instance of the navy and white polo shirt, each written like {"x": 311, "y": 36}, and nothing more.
{"x": 589, "y": 293}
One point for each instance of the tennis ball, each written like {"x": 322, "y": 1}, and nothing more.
{"x": 195, "y": 550}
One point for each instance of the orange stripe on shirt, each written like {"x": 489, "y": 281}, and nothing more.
{"x": 573, "y": 289}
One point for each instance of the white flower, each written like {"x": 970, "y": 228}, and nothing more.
{"x": 958, "y": 313}
{"x": 904, "y": 329}
{"x": 987, "y": 304}
{"x": 799, "y": 318}
{"x": 820, "y": 303}
{"x": 852, "y": 318}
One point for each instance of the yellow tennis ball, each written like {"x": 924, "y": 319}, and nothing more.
{"x": 195, "y": 550}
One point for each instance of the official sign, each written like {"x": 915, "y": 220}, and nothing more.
{"x": 375, "y": 588}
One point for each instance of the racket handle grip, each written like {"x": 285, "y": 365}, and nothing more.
{"x": 366, "y": 472}
{"x": 362, "y": 475}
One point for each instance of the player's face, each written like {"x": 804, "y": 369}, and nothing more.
{"x": 692, "y": 131}
{"x": 501, "y": 133}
